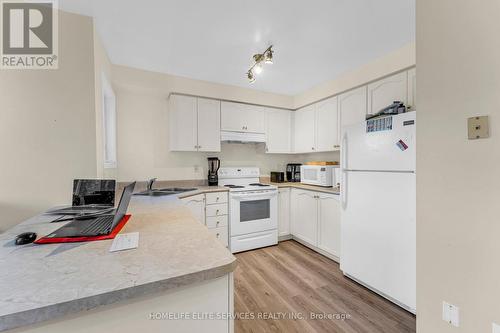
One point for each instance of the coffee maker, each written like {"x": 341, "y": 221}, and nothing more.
{"x": 213, "y": 167}
{"x": 293, "y": 172}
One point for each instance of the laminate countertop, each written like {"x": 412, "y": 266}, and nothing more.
{"x": 42, "y": 282}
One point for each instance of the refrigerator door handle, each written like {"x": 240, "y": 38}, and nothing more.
{"x": 343, "y": 161}
{"x": 343, "y": 190}
{"x": 343, "y": 185}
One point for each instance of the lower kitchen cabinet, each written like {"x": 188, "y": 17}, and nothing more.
{"x": 304, "y": 219}
{"x": 284, "y": 212}
{"x": 211, "y": 209}
{"x": 315, "y": 220}
{"x": 196, "y": 204}
{"x": 329, "y": 223}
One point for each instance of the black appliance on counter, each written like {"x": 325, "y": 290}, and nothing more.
{"x": 293, "y": 172}
{"x": 213, "y": 167}
{"x": 277, "y": 177}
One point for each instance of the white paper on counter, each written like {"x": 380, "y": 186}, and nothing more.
{"x": 125, "y": 242}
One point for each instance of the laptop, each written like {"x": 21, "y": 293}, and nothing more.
{"x": 103, "y": 224}
{"x": 90, "y": 196}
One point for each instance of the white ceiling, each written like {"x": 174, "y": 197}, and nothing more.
{"x": 214, "y": 40}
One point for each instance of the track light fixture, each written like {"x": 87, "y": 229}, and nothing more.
{"x": 260, "y": 59}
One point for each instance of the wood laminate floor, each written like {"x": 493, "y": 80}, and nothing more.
{"x": 275, "y": 287}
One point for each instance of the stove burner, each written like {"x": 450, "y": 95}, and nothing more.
{"x": 234, "y": 186}
{"x": 259, "y": 184}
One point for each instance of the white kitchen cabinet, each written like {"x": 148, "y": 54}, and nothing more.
{"x": 196, "y": 204}
{"x": 304, "y": 219}
{"x": 329, "y": 223}
{"x": 208, "y": 124}
{"x": 183, "y": 119}
{"x": 352, "y": 106}
{"x": 327, "y": 125}
{"x": 239, "y": 117}
{"x": 279, "y": 131}
{"x": 304, "y": 127}
{"x": 284, "y": 211}
{"x": 412, "y": 89}
{"x": 384, "y": 92}
{"x": 194, "y": 124}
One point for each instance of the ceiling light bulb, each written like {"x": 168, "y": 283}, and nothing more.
{"x": 258, "y": 68}
{"x": 269, "y": 57}
{"x": 250, "y": 76}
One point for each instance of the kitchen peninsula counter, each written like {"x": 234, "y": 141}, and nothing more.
{"x": 60, "y": 286}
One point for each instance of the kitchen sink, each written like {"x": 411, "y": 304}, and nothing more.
{"x": 164, "y": 191}
{"x": 176, "y": 189}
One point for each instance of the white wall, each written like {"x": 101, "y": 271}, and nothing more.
{"x": 47, "y": 126}
{"x": 458, "y": 183}
{"x": 142, "y": 121}
{"x": 391, "y": 63}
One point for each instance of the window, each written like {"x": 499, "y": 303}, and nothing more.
{"x": 109, "y": 123}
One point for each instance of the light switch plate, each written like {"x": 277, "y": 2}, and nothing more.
{"x": 495, "y": 328}
{"x": 478, "y": 127}
{"x": 451, "y": 314}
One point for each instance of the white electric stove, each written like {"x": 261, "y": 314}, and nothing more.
{"x": 253, "y": 209}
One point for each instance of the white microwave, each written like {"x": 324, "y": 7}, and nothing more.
{"x": 320, "y": 175}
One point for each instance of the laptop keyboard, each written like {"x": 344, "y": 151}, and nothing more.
{"x": 99, "y": 226}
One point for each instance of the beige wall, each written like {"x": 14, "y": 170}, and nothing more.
{"x": 142, "y": 122}
{"x": 47, "y": 126}
{"x": 458, "y": 184}
{"x": 393, "y": 62}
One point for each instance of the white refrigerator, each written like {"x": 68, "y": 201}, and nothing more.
{"x": 378, "y": 194}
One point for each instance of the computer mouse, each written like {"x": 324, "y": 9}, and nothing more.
{"x": 25, "y": 238}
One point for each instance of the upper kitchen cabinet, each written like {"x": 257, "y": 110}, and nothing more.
{"x": 194, "y": 124}
{"x": 316, "y": 127}
{"x": 352, "y": 107}
{"x": 327, "y": 123}
{"x": 279, "y": 131}
{"x": 412, "y": 89}
{"x": 208, "y": 125}
{"x": 183, "y": 120}
{"x": 304, "y": 127}
{"x": 239, "y": 117}
{"x": 384, "y": 92}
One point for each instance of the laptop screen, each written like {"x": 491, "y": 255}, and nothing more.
{"x": 121, "y": 210}
{"x": 94, "y": 192}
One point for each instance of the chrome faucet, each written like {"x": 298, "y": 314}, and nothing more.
{"x": 150, "y": 184}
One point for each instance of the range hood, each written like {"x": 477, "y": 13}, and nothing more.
{"x": 242, "y": 137}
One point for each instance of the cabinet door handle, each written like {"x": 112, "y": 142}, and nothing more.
{"x": 217, "y": 199}
{"x": 217, "y": 235}
{"x": 199, "y": 147}
{"x": 217, "y": 212}
{"x": 312, "y": 148}
{"x": 217, "y": 223}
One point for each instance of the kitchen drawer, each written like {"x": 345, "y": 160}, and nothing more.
{"x": 216, "y": 221}
{"x": 216, "y": 210}
{"x": 216, "y": 198}
{"x": 221, "y": 234}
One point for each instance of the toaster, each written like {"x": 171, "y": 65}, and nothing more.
{"x": 277, "y": 177}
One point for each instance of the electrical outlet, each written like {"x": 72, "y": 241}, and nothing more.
{"x": 495, "y": 328}
{"x": 451, "y": 314}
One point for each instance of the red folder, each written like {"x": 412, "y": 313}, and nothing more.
{"x": 116, "y": 230}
